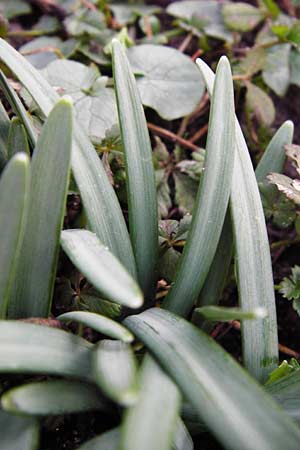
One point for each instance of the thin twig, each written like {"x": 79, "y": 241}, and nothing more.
{"x": 171, "y": 136}
{"x": 199, "y": 134}
{"x": 185, "y": 43}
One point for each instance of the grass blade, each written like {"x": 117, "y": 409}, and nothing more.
{"x": 101, "y": 205}
{"x": 141, "y": 190}
{"x": 36, "y": 349}
{"x": 212, "y": 199}
{"x": 18, "y": 108}
{"x": 182, "y": 440}
{"x": 17, "y": 139}
{"x": 52, "y": 398}
{"x": 14, "y": 197}
{"x": 101, "y": 267}
{"x": 253, "y": 261}
{"x": 107, "y": 441}
{"x": 205, "y": 373}
{"x": 99, "y": 323}
{"x": 286, "y": 392}
{"x": 36, "y": 269}
{"x": 143, "y": 426}
{"x": 225, "y": 314}
{"x": 4, "y": 130}
{"x": 18, "y": 433}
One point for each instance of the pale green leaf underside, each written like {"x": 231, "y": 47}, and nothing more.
{"x": 18, "y": 433}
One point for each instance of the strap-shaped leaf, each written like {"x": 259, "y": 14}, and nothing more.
{"x": 101, "y": 267}
{"x": 18, "y": 108}
{"x": 36, "y": 349}
{"x": 14, "y": 196}
{"x": 100, "y": 202}
{"x": 143, "y": 426}
{"x": 99, "y": 323}
{"x": 212, "y": 199}
{"x": 140, "y": 179}
{"x": 230, "y": 402}
{"x": 17, "y": 138}
{"x": 224, "y": 314}
{"x": 115, "y": 371}
{"x": 35, "y": 276}
{"x": 18, "y": 433}
{"x": 52, "y": 398}
{"x": 253, "y": 261}
{"x": 4, "y": 130}
{"x": 107, "y": 441}
{"x": 182, "y": 439}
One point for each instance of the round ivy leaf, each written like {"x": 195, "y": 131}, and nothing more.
{"x": 168, "y": 81}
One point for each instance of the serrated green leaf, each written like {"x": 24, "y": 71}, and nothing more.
{"x": 99, "y": 323}
{"x": 36, "y": 349}
{"x": 101, "y": 267}
{"x": 212, "y": 199}
{"x": 17, "y": 138}
{"x": 115, "y": 371}
{"x": 52, "y": 398}
{"x": 35, "y": 276}
{"x": 101, "y": 206}
{"x": 141, "y": 191}
{"x": 290, "y": 287}
{"x": 14, "y": 198}
{"x": 18, "y": 433}
{"x": 253, "y": 262}
{"x": 204, "y": 372}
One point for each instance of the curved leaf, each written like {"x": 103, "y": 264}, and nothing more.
{"x": 100, "y": 202}
{"x": 141, "y": 189}
{"x": 212, "y": 199}
{"x": 115, "y": 371}
{"x": 101, "y": 267}
{"x": 224, "y": 314}
{"x": 17, "y": 139}
{"x": 35, "y": 276}
{"x": 99, "y": 323}
{"x": 107, "y": 441}
{"x": 14, "y": 196}
{"x": 29, "y": 348}
{"x": 215, "y": 384}
{"x": 286, "y": 392}
{"x": 253, "y": 261}
{"x": 52, "y": 398}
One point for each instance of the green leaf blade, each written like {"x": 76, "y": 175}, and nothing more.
{"x": 36, "y": 270}
{"x": 17, "y": 139}
{"x": 142, "y": 203}
{"x": 254, "y": 269}
{"x": 115, "y": 371}
{"x": 18, "y": 433}
{"x": 99, "y": 323}
{"x": 212, "y": 199}
{"x": 101, "y": 267}
{"x": 52, "y": 398}
{"x": 204, "y": 372}
{"x": 14, "y": 197}
{"x": 35, "y": 349}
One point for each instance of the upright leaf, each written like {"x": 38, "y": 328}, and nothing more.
{"x": 36, "y": 270}
{"x": 101, "y": 267}
{"x": 4, "y": 130}
{"x": 231, "y": 403}
{"x": 14, "y": 197}
{"x": 101, "y": 205}
{"x": 36, "y": 349}
{"x": 253, "y": 262}
{"x": 18, "y": 433}
{"x": 212, "y": 199}
{"x": 17, "y": 138}
{"x": 141, "y": 190}
{"x": 286, "y": 392}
